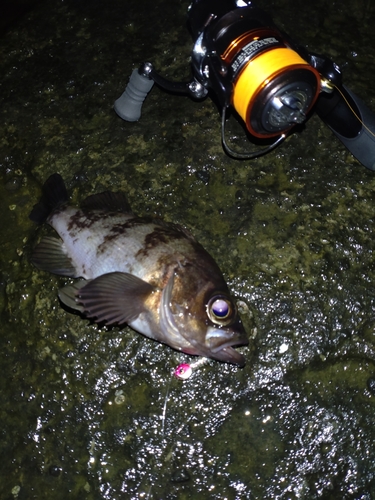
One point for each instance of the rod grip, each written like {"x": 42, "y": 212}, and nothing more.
{"x": 352, "y": 122}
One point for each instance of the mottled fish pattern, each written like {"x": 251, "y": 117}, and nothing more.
{"x": 147, "y": 273}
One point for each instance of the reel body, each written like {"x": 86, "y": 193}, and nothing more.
{"x": 255, "y": 69}
{"x": 267, "y": 82}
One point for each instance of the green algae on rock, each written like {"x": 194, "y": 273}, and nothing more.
{"x": 292, "y": 232}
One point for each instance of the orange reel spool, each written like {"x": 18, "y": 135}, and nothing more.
{"x": 273, "y": 86}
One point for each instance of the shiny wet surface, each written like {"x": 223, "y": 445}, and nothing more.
{"x": 95, "y": 413}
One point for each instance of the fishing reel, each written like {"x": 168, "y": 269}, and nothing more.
{"x": 258, "y": 72}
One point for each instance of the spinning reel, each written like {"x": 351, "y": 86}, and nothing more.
{"x": 271, "y": 82}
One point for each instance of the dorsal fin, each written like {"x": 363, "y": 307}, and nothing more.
{"x": 114, "y": 202}
{"x": 54, "y": 194}
{"x": 174, "y": 226}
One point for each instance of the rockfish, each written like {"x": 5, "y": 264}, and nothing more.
{"x": 147, "y": 273}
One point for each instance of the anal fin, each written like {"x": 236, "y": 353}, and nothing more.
{"x": 68, "y": 295}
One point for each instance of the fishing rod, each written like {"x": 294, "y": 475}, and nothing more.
{"x": 259, "y": 73}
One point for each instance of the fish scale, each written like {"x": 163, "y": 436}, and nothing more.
{"x": 97, "y": 249}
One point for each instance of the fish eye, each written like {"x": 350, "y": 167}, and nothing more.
{"x": 220, "y": 310}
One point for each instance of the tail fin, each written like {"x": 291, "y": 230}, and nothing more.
{"x": 54, "y": 194}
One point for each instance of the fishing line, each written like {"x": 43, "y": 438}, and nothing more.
{"x": 165, "y": 407}
{"x": 352, "y": 110}
{"x": 165, "y": 450}
{"x": 182, "y": 372}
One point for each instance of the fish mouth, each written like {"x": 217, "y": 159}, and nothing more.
{"x": 230, "y": 355}
{"x": 221, "y": 343}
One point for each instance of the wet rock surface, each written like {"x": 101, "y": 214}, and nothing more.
{"x": 95, "y": 413}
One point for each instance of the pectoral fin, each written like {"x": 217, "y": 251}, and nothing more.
{"x": 110, "y": 298}
{"x": 49, "y": 255}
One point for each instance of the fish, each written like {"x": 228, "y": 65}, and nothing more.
{"x": 138, "y": 271}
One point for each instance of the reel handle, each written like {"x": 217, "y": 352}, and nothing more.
{"x": 129, "y": 105}
{"x": 351, "y": 121}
